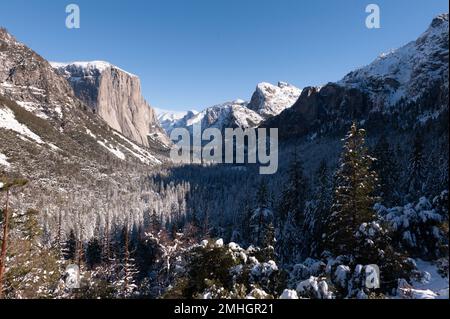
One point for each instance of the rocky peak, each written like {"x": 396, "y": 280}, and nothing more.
{"x": 115, "y": 95}
{"x": 270, "y": 100}
{"x": 406, "y": 73}
{"x": 440, "y": 20}
{"x": 28, "y": 79}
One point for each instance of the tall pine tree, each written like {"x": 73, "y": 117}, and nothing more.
{"x": 353, "y": 195}
{"x": 321, "y": 208}
{"x": 416, "y": 169}
{"x": 291, "y": 241}
{"x": 388, "y": 172}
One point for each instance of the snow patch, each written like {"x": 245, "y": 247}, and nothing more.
{"x": 289, "y": 294}
{"x": 8, "y": 121}
{"x": 3, "y": 161}
{"x": 100, "y": 66}
{"x": 113, "y": 150}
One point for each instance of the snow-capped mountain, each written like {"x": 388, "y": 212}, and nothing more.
{"x": 270, "y": 100}
{"x": 115, "y": 95}
{"x": 229, "y": 114}
{"x": 406, "y": 73}
{"x": 403, "y": 89}
{"x": 172, "y": 119}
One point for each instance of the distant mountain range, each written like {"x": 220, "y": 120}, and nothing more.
{"x": 268, "y": 100}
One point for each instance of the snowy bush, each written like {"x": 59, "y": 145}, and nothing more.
{"x": 289, "y": 294}
{"x": 314, "y": 288}
{"x": 420, "y": 228}
{"x": 310, "y": 267}
{"x": 215, "y": 270}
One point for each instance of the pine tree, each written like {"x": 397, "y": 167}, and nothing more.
{"x": 247, "y": 215}
{"x": 291, "y": 213}
{"x": 416, "y": 169}
{"x": 261, "y": 221}
{"x": 70, "y": 249}
{"x": 321, "y": 208}
{"x": 93, "y": 252}
{"x": 387, "y": 170}
{"x": 126, "y": 282}
{"x": 353, "y": 195}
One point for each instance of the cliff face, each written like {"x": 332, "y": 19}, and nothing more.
{"x": 115, "y": 95}
{"x": 29, "y": 79}
{"x": 270, "y": 100}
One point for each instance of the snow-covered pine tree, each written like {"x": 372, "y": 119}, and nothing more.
{"x": 416, "y": 169}
{"x": 291, "y": 214}
{"x": 320, "y": 208}
{"x": 70, "y": 247}
{"x": 125, "y": 284}
{"x": 261, "y": 221}
{"x": 388, "y": 171}
{"x": 354, "y": 198}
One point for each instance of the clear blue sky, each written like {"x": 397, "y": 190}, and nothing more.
{"x": 191, "y": 54}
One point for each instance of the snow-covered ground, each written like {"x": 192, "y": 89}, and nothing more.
{"x": 8, "y": 121}
{"x": 3, "y": 160}
{"x": 433, "y": 281}
{"x": 431, "y": 286}
{"x": 113, "y": 150}
{"x": 140, "y": 153}
{"x": 88, "y": 66}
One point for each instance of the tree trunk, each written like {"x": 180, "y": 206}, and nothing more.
{"x": 4, "y": 244}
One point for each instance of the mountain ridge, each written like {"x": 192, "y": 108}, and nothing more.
{"x": 404, "y": 89}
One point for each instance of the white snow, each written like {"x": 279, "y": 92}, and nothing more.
{"x": 342, "y": 274}
{"x": 8, "y": 121}
{"x": 100, "y": 66}
{"x": 406, "y": 70}
{"x": 219, "y": 242}
{"x": 257, "y": 293}
{"x": 89, "y": 132}
{"x": 33, "y": 108}
{"x": 433, "y": 281}
{"x": 172, "y": 119}
{"x": 3, "y": 161}
{"x": 289, "y": 294}
{"x": 167, "y": 115}
{"x": 140, "y": 153}
{"x": 314, "y": 288}
{"x": 274, "y": 99}
{"x": 113, "y": 150}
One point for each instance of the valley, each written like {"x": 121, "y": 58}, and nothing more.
{"x": 362, "y": 178}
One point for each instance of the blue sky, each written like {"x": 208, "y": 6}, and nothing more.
{"x": 191, "y": 54}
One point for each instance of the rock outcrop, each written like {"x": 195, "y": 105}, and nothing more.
{"x": 115, "y": 95}
{"x": 270, "y": 100}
